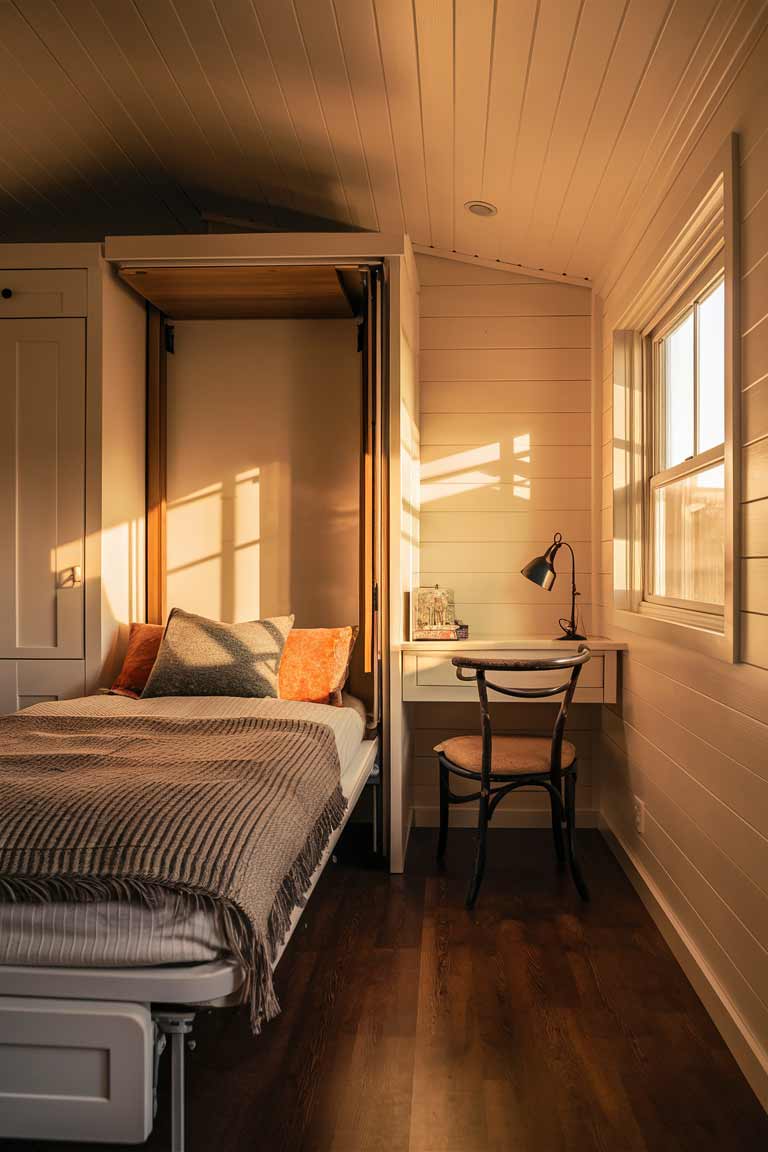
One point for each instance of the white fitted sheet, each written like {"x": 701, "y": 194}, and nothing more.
{"x": 113, "y": 934}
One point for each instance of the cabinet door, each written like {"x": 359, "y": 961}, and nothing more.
{"x": 26, "y": 292}
{"x": 26, "y": 682}
{"x": 42, "y": 488}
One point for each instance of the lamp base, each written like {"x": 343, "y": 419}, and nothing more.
{"x": 570, "y": 636}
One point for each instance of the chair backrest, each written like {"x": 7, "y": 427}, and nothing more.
{"x": 478, "y": 667}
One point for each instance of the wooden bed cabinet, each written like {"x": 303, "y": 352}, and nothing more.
{"x": 271, "y": 276}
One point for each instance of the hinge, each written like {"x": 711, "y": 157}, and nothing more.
{"x": 361, "y": 336}
{"x": 375, "y": 597}
{"x": 170, "y": 338}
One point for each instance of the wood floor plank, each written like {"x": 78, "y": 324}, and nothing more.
{"x": 534, "y": 1023}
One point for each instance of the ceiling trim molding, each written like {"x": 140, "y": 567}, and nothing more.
{"x": 252, "y": 248}
{"x": 503, "y": 265}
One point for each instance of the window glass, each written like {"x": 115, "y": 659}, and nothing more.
{"x": 688, "y": 530}
{"x": 711, "y": 350}
{"x": 677, "y": 395}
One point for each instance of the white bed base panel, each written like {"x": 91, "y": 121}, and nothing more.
{"x": 210, "y": 983}
{"x": 75, "y": 1070}
{"x": 60, "y": 1028}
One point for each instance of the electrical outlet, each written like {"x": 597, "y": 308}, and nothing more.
{"x": 638, "y": 810}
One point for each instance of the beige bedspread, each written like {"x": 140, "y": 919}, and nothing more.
{"x": 232, "y": 813}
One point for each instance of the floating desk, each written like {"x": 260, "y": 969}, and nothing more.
{"x": 429, "y": 676}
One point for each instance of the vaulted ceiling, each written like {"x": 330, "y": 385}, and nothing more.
{"x": 135, "y": 116}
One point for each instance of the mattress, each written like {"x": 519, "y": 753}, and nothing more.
{"x": 112, "y": 934}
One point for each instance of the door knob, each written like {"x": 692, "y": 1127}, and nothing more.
{"x": 6, "y": 293}
{"x": 71, "y": 577}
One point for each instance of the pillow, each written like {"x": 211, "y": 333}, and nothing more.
{"x": 315, "y": 664}
{"x": 143, "y": 643}
{"x": 200, "y": 657}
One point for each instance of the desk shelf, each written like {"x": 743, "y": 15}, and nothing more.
{"x": 429, "y": 676}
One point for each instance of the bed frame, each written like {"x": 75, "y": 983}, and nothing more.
{"x": 80, "y": 1048}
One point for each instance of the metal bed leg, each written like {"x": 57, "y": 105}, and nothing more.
{"x": 178, "y": 1026}
{"x": 374, "y": 780}
{"x": 160, "y": 1045}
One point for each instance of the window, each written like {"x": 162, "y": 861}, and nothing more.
{"x": 674, "y": 446}
{"x": 685, "y": 494}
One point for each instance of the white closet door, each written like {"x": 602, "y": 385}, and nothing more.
{"x": 42, "y": 488}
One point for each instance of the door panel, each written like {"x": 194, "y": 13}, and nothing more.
{"x": 25, "y": 682}
{"x": 42, "y": 487}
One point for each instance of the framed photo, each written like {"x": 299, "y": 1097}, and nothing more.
{"x": 434, "y": 615}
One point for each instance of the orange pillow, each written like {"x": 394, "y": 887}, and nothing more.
{"x": 140, "y": 655}
{"x": 315, "y": 664}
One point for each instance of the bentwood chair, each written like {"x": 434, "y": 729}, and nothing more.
{"x": 500, "y": 764}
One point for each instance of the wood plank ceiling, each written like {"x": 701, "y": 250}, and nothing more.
{"x": 137, "y": 116}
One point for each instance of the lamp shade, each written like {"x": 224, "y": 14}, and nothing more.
{"x": 541, "y": 570}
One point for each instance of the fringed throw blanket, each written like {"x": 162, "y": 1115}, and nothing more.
{"x": 233, "y": 813}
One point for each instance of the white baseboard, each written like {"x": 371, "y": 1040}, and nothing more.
{"x": 428, "y": 816}
{"x": 747, "y": 1051}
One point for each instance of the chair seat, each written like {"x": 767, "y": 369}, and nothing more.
{"x": 511, "y": 755}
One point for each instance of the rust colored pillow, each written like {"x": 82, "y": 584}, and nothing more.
{"x": 140, "y": 655}
{"x": 315, "y": 664}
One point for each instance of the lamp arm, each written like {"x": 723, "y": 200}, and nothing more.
{"x": 573, "y": 567}
{"x": 571, "y": 629}
{"x": 574, "y": 593}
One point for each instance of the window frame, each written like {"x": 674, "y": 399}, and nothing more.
{"x": 704, "y": 232}
{"x": 705, "y": 614}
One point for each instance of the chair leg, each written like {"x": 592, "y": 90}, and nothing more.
{"x": 570, "y": 817}
{"x": 444, "y": 805}
{"x": 480, "y": 850}
{"x": 557, "y": 827}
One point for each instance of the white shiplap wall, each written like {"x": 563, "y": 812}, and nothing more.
{"x": 505, "y": 435}
{"x": 505, "y": 463}
{"x": 690, "y": 736}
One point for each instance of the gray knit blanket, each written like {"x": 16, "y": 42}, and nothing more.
{"x": 231, "y": 813}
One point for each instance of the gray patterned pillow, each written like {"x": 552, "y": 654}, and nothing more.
{"x": 201, "y": 657}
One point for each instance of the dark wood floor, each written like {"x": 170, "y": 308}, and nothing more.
{"x": 534, "y": 1024}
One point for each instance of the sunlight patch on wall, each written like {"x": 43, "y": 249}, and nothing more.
{"x": 460, "y": 472}
{"x": 194, "y": 528}
{"x": 247, "y": 545}
{"x": 462, "y": 462}
{"x": 194, "y": 525}
{"x": 123, "y": 562}
{"x": 521, "y": 487}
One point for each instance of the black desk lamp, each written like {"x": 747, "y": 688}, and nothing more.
{"x": 541, "y": 570}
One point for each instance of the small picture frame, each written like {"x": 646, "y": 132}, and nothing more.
{"x": 435, "y": 608}
{"x": 434, "y": 615}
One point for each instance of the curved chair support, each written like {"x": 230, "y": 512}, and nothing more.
{"x": 559, "y": 783}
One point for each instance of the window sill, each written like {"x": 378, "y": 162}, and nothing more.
{"x": 701, "y": 618}
{"x": 708, "y": 641}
